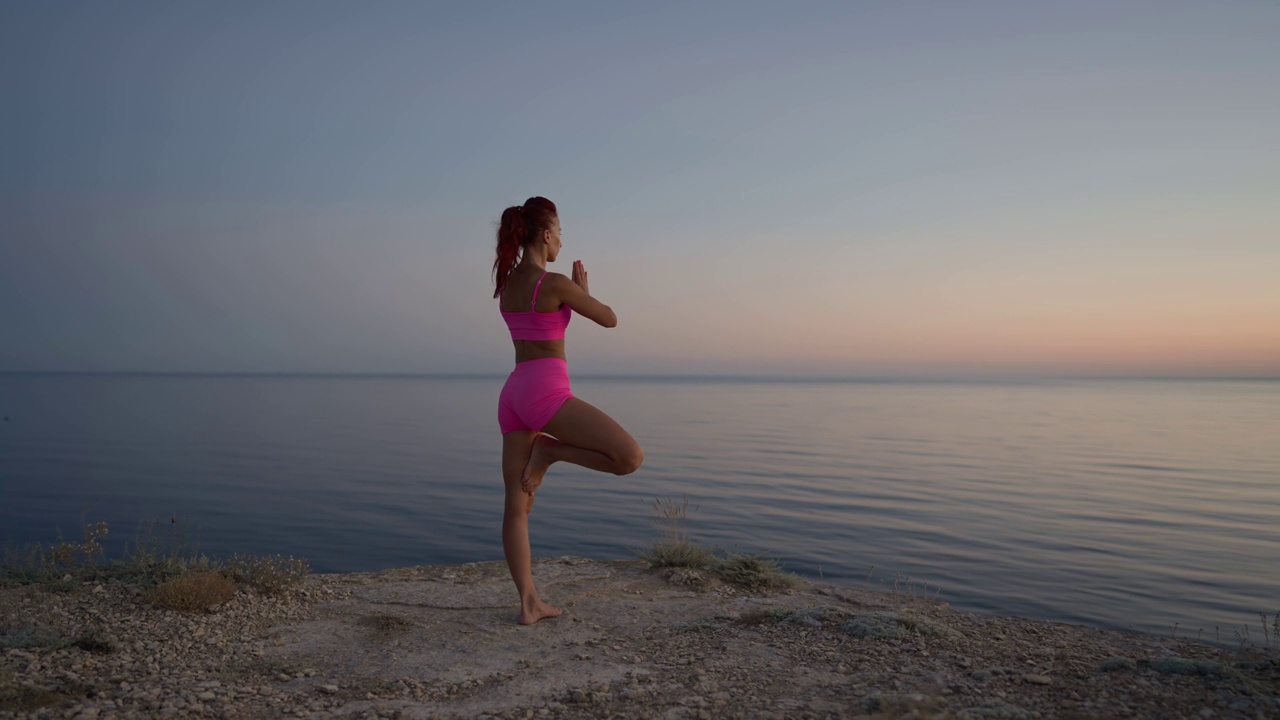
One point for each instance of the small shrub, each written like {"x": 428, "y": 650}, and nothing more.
{"x": 674, "y": 549}
{"x": 1185, "y": 666}
{"x": 997, "y": 711}
{"x": 58, "y": 565}
{"x": 21, "y": 566}
{"x": 764, "y": 616}
{"x": 386, "y": 624}
{"x": 64, "y": 585}
{"x": 272, "y": 574}
{"x": 876, "y": 626}
{"x": 25, "y": 698}
{"x": 677, "y": 555}
{"x": 87, "y": 552}
{"x": 29, "y": 636}
{"x": 753, "y": 572}
{"x": 889, "y": 706}
{"x": 888, "y": 626}
{"x": 193, "y": 592}
{"x": 157, "y": 556}
{"x": 688, "y": 577}
{"x": 1117, "y": 664}
{"x": 98, "y": 641}
{"x": 816, "y": 616}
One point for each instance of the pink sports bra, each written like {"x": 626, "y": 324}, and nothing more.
{"x": 534, "y": 325}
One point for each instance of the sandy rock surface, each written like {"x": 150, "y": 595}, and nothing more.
{"x": 441, "y": 642}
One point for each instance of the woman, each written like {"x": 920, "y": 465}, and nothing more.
{"x": 541, "y": 421}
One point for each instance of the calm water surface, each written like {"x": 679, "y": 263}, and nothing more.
{"x": 1116, "y": 503}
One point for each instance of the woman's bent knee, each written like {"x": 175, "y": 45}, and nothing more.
{"x": 630, "y": 460}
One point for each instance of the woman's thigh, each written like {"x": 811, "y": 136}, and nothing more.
{"x": 583, "y": 425}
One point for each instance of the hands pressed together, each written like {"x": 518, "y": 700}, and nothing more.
{"x": 580, "y": 276}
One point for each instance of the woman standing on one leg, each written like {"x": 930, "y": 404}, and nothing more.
{"x": 541, "y": 421}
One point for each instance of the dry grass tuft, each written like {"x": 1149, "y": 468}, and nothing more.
{"x": 671, "y": 519}
{"x": 754, "y": 572}
{"x": 764, "y": 616}
{"x": 386, "y": 624}
{"x": 674, "y": 550}
{"x": 194, "y": 592}
{"x": 25, "y": 698}
{"x": 917, "y": 706}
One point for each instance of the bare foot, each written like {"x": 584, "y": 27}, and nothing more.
{"x": 537, "y": 611}
{"x": 539, "y": 461}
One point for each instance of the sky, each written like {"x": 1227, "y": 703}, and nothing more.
{"x": 801, "y": 188}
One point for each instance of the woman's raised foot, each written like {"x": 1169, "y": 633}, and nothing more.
{"x": 540, "y": 459}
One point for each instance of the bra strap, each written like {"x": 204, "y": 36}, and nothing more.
{"x": 534, "y": 302}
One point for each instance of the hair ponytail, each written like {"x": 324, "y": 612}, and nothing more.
{"x": 519, "y": 225}
{"x": 511, "y": 232}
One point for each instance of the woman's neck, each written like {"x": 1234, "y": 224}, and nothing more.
{"x": 533, "y": 262}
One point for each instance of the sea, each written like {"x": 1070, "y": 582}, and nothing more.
{"x": 1143, "y": 504}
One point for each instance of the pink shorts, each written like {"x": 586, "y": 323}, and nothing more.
{"x": 535, "y": 390}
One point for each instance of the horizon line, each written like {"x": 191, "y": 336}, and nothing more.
{"x": 791, "y": 377}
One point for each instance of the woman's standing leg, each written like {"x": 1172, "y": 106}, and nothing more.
{"x": 516, "y": 448}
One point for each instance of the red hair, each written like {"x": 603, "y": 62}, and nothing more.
{"x": 519, "y": 226}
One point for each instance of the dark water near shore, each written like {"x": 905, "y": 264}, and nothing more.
{"x": 1119, "y": 503}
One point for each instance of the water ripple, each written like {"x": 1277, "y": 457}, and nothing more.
{"x": 1113, "y": 503}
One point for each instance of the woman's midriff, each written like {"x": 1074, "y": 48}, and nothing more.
{"x": 538, "y": 349}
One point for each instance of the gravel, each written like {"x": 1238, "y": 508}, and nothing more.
{"x": 441, "y": 642}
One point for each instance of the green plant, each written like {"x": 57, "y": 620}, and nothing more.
{"x": 272, "y": 574}
{"x": 154, "y": 559}
{"x": 754, "y": 572}
{"x": 674, "y": 550}
{"x": 29, "y": 636}
{"x": 97, "y": 640}
{"x": 682, "y": 555}
{"x": 22, "y": 566}
{"x": 63, "y": 566}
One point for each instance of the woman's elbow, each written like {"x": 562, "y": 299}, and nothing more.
{"x": 610, "y": 320}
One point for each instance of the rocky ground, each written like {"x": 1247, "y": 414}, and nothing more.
{"x": 441, "y": 642}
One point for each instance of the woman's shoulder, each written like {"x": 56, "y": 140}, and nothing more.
{"x": 554, "y": 280}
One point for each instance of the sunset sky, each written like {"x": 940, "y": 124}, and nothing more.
{"x": 809, "y": 188}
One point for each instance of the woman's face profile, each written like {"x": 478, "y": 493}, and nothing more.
{"x": 552, "y": 238}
